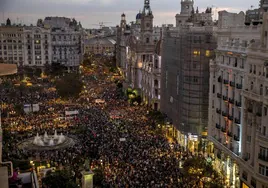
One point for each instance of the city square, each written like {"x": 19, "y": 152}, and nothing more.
{"x": 99, "y": 94}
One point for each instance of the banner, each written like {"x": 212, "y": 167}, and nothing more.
{"x": 70, "y": 113}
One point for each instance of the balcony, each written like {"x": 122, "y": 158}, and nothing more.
{"x": 224, "y": 114}
{"x": 157, "y": 71}
{"x": 237, "y": 121}
{"x": 259, "y": 114}
{"x": 231, "y": 100}
{"x": 225, "y": 98}
{"x": 223, "y": 129}
{"x": 218, "y": 111}
{"x": 250, "y": 110}
{"x": 263, "y": 158}
{"x": 218, "y": 126}
{"x": 232, "y": 84}
{"x": 226, "y": 82}
{"x": 238, "y": 104}
{"x": 230, "y": 134}
{"x": 219, "y": 95}
{"x": 220, "y": 79}
{"x": 253, "y": 96}
{"x": 236, "y": 138}
{"x": 231, "y": 118}
{"x": 239, "y": 86}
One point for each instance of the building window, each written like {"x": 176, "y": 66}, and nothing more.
{"x": 196, "y": 52}
{"x": 262, "y": 169}
{"x": 166, "y": 79}
{"x": 178, "y": 84}
{"x": 208, "y": 53}
{"x": 253, "y": 182}
{"x": 213, "y": 89}
{"x": 249, "y": 139}
{"x": 252, "y": 86}
{"x": 147, "y": 40}
{"x": 261, "y": 89}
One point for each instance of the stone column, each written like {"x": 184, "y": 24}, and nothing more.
{"x": 87, "y": 179}
{"x": 3, "y": 177}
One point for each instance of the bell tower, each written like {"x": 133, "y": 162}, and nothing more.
{"x": 187, "y": 6}
{"x": 123, "y": 22}
{"x": 147, "y": 23}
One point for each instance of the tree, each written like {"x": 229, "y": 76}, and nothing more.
{"x": 59, "y": 179}
{"x": 69, "y": 86}
{"x": 200, "y": 173}
{"x": 98, "y": 178}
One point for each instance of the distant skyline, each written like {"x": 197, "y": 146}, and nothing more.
{"x": 91, "y": 12}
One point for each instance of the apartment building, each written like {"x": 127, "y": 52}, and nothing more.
{"x": 37, "y": 46}
{"x": 66, "y": 40}
{"x": 254, "y": 170}
{"x": 237, "y": 105}
{"x": 11, "y": 43}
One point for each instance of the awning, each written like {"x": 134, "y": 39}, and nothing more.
{"x": 8, "y": 69}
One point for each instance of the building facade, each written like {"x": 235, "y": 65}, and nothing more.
{"x": 137, "y": 57}
{"x": 254, "y": 172}
{"x": 100, "y": 45}
{"x": 66, "y": 40}
{"x": 237, "y": 108}
{"x": 37, "y": 46}
{"x": 187, "y": 50}
{"x": 54, "y": 40}
{"x": 11, "y": 44}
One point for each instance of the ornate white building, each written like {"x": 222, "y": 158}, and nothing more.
{"x": 254, "y": 170}
{"x": 237, "y": 104}
{"x": 37, "y": 46}
{"x": 66, "y": 40}
{"x": 137, "y": 57}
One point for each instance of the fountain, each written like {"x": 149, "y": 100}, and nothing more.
{"x": 55, "y": 135}
{"x": 47, "y": 142}
{"x": 45, "y": 136}
{"x": 51, "y": 142}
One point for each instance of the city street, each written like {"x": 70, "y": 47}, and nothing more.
{"x": 119, "y": 139}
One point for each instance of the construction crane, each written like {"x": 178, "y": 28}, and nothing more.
{"x": 101, "y": 24}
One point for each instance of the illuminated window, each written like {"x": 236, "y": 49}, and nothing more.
{"x": 37, "y": 41}
{"x": 140, "y": 65}
{"x": 208, "y": 53}
{"x": 196, "y": 52}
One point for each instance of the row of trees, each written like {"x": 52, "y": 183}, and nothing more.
{"x": 198, "y": 172}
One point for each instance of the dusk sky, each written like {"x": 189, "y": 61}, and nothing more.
{"x": 91, "y": 12}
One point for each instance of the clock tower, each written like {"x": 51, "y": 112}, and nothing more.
{"x": 187, "y": 6}
{"x": 147, "y": 23}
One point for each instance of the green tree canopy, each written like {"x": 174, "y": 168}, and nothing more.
{"x": 59, "y": 179}
{"x": 69, "y": 86}
{"x": 200, "y": 173}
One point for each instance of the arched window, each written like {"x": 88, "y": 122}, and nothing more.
{"x": 155, "y": 83}
{"x": 147, "y": 40}
{"x": 156, "y": 63}
{"x": 252, "y": 86}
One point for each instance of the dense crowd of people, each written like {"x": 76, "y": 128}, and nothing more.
{"x": 114, "y": 136}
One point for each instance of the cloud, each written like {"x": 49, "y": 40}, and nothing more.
{"x": 94, "y": 11}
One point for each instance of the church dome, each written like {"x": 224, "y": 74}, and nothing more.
{"x": 138, "y": 17}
